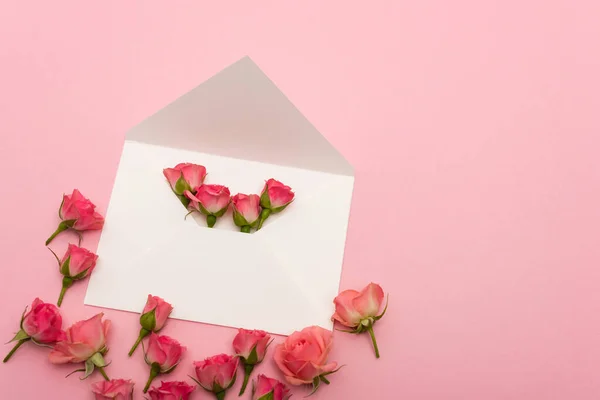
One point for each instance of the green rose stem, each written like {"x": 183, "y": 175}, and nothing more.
{"x": 63, "y": 226}
{"x": 19, "y": 343}
{"x": 264, "y": 214}
{"x": 154, "y": 371}
{"x": 143, "y": 334}
{"x": 211, "y": 220}
{"x": 103, "y": 373}
{"x": 372, "y": 334}
{"x": 247, "y": 371}
{"x": 245, "y": 229}
{"x": 67, "y": 283}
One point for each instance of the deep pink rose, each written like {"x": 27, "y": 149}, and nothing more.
{"x": 246, "y": 210}
{"x": 360, "y": 310}
{"x": 251, "y": 347}
{"x": 270, "y": 389}
{"x": 275, "y": 197}
{"x": 76, "y": 264}
{"x": 210, "y": 200}
{"x": 162, "y": 355}
{"x": 303, "y": 356}
{"x": 191, "y": 175}
{"x": 171, "y": 391}
{"x": 216, "y": 374}
{"x": 77, "y": 213}
{"x": 117, "y": 389}
{"x": 42, "y": 324}
{"x": 153, "y": 318}
{"x": 85, "y": 342}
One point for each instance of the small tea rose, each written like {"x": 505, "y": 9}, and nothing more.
{"x": 85, "y": 342}
{"x": 171, "y": 391}
{"x": 303, "y": 357}
{"x": 360, "y": 310}
{"x": 153, "y": 318}
{"x": 216, "y": 374}
{"x": 115, "y": 389}
{"x": 76, "y": 264}
{"x": 210, "y": 200}
{"x": 78, "y": 214}
{"x": 250, "y": 347}
{"x": 270, "y": 389}
{"x": 275, "y": 197}
{"x": 163, "y": 354}
{"x": 42, "y": 325}
{"x": 185, "y": 176}
{"x": 246, "y": 211}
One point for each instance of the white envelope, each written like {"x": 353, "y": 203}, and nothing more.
{"x": 244, "y": 131}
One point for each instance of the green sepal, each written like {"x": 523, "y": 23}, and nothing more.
{"x": 89, "y": 368}
{"x": 148, "y": 320}
{"x": 268, "y": 396}
{"x": 354, "y": 332}
{"x": 62, "y": 203}
{"x": 22, "y": 319}
{"x": 222, "y": 212}
{"x": 265, "y": 200}
{"x": 334, "y": 371}
{"x": 183, "y": 199}
{"x": 199, "y": 384}
{"x": 238, "y": 219}
{"x": 377, "y": 318}
{"x": 81, "y": 275}
{"x": 203, "y": 210}
{"x": 181, "y": 186}
{"x": 281, "y": 208}
{"x": 98, "y": 360}
{"x": 64, "y": 268}
{"x": 316, "y": 383}
{"x": 252, "y": 357}
{"x": 21, "y": 335}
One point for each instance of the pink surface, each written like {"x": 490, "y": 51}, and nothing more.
{"x": 473, "y": 127}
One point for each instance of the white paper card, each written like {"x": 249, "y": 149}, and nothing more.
{"x": 244, "y": 131}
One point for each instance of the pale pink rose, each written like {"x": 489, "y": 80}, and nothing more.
{"x": 352, "y": 307}
{"x": 171, "y": 391}
{"x": 77, "y": 213}
{"x": 77, "y": 262}
{"x": 269, "y": 388}
{"x": 246, "y": 341}
{"x": 153, "y": 318}
{"x": 246, "y": 209}
{"x": 360, "y": 310}
{"x": 216, "y": 374}
{"x": 43, "y": 323}
{"x": 83, "y": 340}
{"x": 275, "y": 195}
{"x": 192, "y": 177}
{"x": 210, "y": 199}
{"x": 164, "y": 351}
{"x": 303, "y": 355}
{"x": 116, "y": 389}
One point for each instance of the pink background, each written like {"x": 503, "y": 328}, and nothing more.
{"x": 474, "y": 130}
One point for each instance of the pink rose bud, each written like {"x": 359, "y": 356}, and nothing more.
{"x": 76, "y": 264}
{"x": 85, "y": 342}
{"x": 246, "y": 211}
{"x": 116, "y": 389}
{"x": 270, "y": 389}
{"x": 303, "y": 357}
{"x": 274, "y": 198}
{"x": 216, "y": 374}
{"x": 153, "y": 318}
{"x": 185, "y": 176}
{"x": 162, "y": 355}
{"x": 171, "y": 391}
{"x": 360, "y": 310}
{"x": 42, "y": 325}
{"x": 251, "y": 347}
{"x": 77, "y": 213}
{"x": 210, "y": 200}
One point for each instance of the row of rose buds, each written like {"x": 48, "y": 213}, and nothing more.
{"x": 249, "y": 211}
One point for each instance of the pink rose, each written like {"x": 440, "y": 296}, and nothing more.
{"x": 360, "y": 310}
{"x": 274, "y": 198}
{"x": 270, "y": 389}
{"x": 216, "y": 374}
{"x": 85, "y": 342}
{"x": 210, "y": 200}
{"x": 153, "y": 318}
{"x": 171, "y": 391}
{"x": 162, "y": 355}
{"x": 117, "y": 389}
{"x": 42, "y": 325}
{"x": 76, "y": 264}
{"x": 246, "y": 211}
{"x": 77, "y": 213}
{"x": 251, "y": 347}
{"x": 303, "y": 356}
{"x": 185, "y": 176}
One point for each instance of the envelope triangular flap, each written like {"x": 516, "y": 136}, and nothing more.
{"x": 240, "y": 113}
